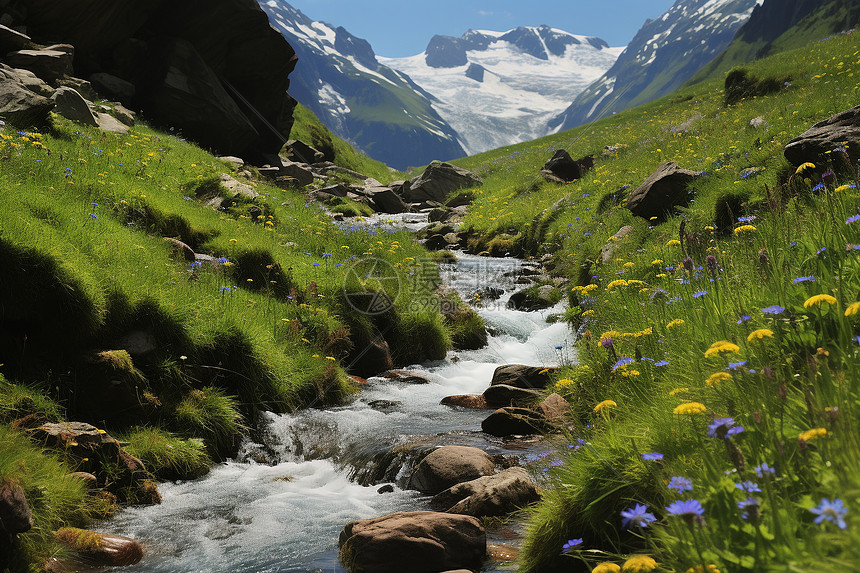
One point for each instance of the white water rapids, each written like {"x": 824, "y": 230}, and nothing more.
{"x": 286, "y": 515}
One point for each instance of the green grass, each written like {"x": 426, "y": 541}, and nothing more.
{"x": 166, "y": 456}
{"x": 779, "y": 375}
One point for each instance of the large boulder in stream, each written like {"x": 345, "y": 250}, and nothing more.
{"x": 513, "y": 421}
{"x": 500, "y": 395}
{"x": 489, "y": 496}
{"x": 438, "y": 181}
{"x": 415, "y": 541}
{"x": 448, "y": 466}
{"x": 522, "y": 376}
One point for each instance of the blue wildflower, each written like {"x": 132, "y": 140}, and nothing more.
{"x": 763, "y": 469}
{"x": 852, "y": 219}
{"x": 822, "y": 249}
{"x": 773, "y": 309}
{"x": 723, "y": 428}
{"x": 735, "y": 365}
{"x": 750, "y": 507}
{"x": 818, "y": 187}
{"x": 832, "y": 511}
{"x": 653, "y": 456}
{"x": 748, "y": 486}
{"x": 744, "y": 318}
{"x": 792, "y": 244}
{"x": 571, "y": 543}
{"x": 700, "y": 293}
{"x": 622, "y": 362}
{"x": 686, "y": 508}
{"x": 680, "y": 484}
{"x": 93, "y": 216}
{"x": 316, "y": 264}
{"x": 810, "y": 278}
{"x": 662, "y": 363}
{"x": 222, "y": 260}
{"x": 637, "y": 515}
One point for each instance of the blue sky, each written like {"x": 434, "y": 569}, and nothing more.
{"x": 403, "y": 27}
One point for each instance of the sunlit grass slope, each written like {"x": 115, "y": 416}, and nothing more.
{"x": 716, "y": 381}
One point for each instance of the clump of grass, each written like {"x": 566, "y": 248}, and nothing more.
{"x": 18, "y": 401}
{"x": 166, "y": 456}
{"x": 740, "y": 85}
{"x": 212, "y": 415}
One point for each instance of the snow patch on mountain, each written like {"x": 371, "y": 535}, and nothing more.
{"x": 499, "y": 88}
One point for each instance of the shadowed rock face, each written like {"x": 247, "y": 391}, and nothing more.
{"x": 231, "y": 39}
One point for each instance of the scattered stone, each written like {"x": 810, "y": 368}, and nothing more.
{"x": 562, "y": 167}
{"x": 113, "y": 87}
{"x": 15, "y": 513}
{"x": 822, "y": 139}
{"x": 386, "y": 201}
{"x": 522, "y": 376}
{"x": 49, "y": 65}
{"x": 449, "y": 465}
{"x": 123, "y": 114}
{"x": 22, "y": 98}
{"x": 530, "y": 299}
{"x": 101, "y": 549}
{"x": 233, "y": 160}
{"x": 338, "y": 190}
{"x": 406, "y": 376}
{"x": 554, "y": 407}
{"x": 86, "y": 441}
{"x": 387, "y": 488}
{"x": 668, "y": 187}
{"x": 71, "y": 105}
{"x": 237, "y": 187}
{"x": 500, "y": 395}
{"x": 438, "y": 181}
{"x": 469, "y": 401}
{"x": 302, "y": 152}
{"x": 489, "y": 496}
{"x": 607, "y": 252}
{"x": 489, "y": 293}
{"x": 417, "y": 542}
{"x": 297, "y": 171}
{"x": 513, "y": 421}
{"x": 83, "y": 87}
{"x": 109, "y": 123}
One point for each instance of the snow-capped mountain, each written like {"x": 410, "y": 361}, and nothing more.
{"x": 664, "y": 54}
{"x": 499, "y": 88}
{"x": 378, "y": 109}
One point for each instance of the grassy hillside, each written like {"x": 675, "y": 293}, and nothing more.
{"x": 741, "y": 311}
{"x": 107, "y": 317}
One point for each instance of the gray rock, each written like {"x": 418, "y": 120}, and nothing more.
{"x": 20, "y": 105}
{"x": 232, "y": 159}
{"x": 113, "y": 87}
{"x": 468, "y": 401}
{"x": 49, "y": 65}
{"x": 530, "y": 300}
{"x": 386, "y": 201}
{"x": 11, "y": 40}
{"x": 416, "y": 541}
{"x": 123, "y": 114}
{"x": 108, "y": 122}
{"x": 554, "y": 407}
{"x": 29, "y": 80}
{"x": 297, "y": 171}
{"x": 338, "y": 190}
{"x": 512, "y": 421}
{"x": 448, "y": 466}
{"x": 406, "y": 376}
{"x": 83, "y": 87}
{"x": 489, "y": 496}
{"x": 607, "y": 251}
{"x": 500, "y": 395}
{"x": 564, "y": 168}
{"x": 15, "y": 513}
{"x": 668, "y": 187}
{"x": 438, "y": 181}
{"x": 238, "y": 188}
{"x": 522, "y": 376}
{"x": 302, "y": 152}
{"x": 71, "y": 105}
{"x": 757, "y": 122}
{"x": 819, "y": 141}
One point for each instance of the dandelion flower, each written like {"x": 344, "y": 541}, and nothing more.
{"x": 718, "y": 378}
{"x": 812, "y": 434}
{"x": 759, "y": 334}
{"x": 605, "y": 404}
{"x": 639, "y": 564}
{"x": 616, "y": 283}
{"x": 690, "y": 409}
{"x": 852, "y": 309}
{"x": 818, "y": 299}
{"x": 606, "y": 567}
{"x": 832, "y": 511}
{"x": 804, "y": 167}
{"x": 721, "y": 346}
{"x": 678, "y": 391}
{"x": 674, "y": 323}
{"x": 744, "y": 229}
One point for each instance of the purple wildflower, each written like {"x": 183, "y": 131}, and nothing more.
{"x": 686, "y": 508}
{"x": 637, "y": 515}
{"x": 700, "y": 293}
{"x": 748, "y": 486}
{"x": 723, "y": 428}
{"x": 622, "y": 362}
{"x": 750, "y": 507}
{"x": 832, "y": 511}
{"x": 744, "y": 318}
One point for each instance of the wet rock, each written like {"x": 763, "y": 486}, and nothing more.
{"x": 101, "y": 549}
{"x": 448, "y": 466}
{"x": 15, "y": 513}
{"x": 22, "y": 97}
{"x": 534, "y": 298}
{"x": 438, "y": 181}
{"x": 375, "y": 355}
{"x": 500, "y": 395}
{"x": 417, "y": 542}
{"x": 668, "y": 187}
{"x": 819, "y": 141}
{"x": 406, "y": 376}
{"x": 383, "y": 404}
{"x": 388, "y": 488}
{"x": 386, "y": 201}
{"x": 489, "y": 496}
{"x": 513, "y": 421}
{"x": 469, "y": 401}
{"x": 522, "y": 376}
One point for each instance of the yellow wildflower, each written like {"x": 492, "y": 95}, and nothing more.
{"x": 605, "y": 404}
{"x": 564, "y": 383}
{"x": 744, "y": 229}
{"x": 803, "y": 167}
{"x": 616, "y": 283}
{"x": 657, "y": 262}
{"x": 811, "y": 434}
{"x": 588, "y": 313}
{"x": 818, "y": 299}
{"x": 610, "y": 334}
{"x": 674, "y": 323}
{"x": 718, "y": 378}
{"x": 842, "y": 188}
{"x": 699, "y": 569}
{"x": 690, "y": 409}
{"x": 629, "y": 265}
{"x": 606, "y": 567}
{"x": 674, "y": 242}
{"x": 852, "y": 309}
{"x": 677, "y": 391}
{"x": 721, "y": 346}
{"x": 639, "y": 564}
{"x": 760, "y": 333}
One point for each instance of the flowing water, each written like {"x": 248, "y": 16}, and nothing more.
{"x": 282, "y": 503}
